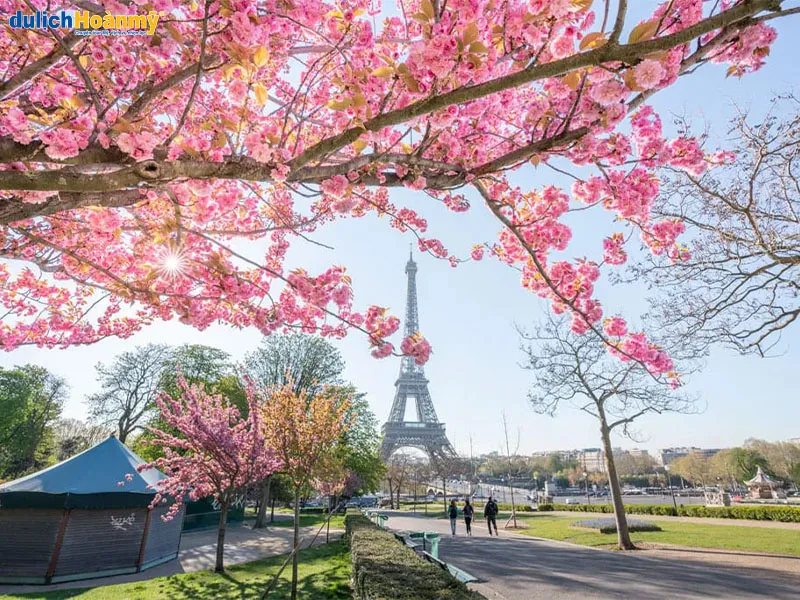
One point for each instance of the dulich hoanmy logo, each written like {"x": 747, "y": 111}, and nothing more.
{"x": 85, "y": 23}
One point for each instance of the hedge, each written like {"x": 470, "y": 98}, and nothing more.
{"x": 313, "y": 510}
{"x": 785, "y": 514}
{"x": 385, "y": 569}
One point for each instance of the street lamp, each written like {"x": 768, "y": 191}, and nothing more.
{"x": 671, "y": 491}
{"x": 536, "y": 486}
{"x": 586, "y": 483}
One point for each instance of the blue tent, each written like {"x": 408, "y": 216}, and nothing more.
{"x": 87, "y": 480}
{"x": 74, "y": 520}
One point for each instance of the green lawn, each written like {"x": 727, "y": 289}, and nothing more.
{"x": 337, "y": 521}
{"x": 324, "y": 574}
{"x": 699, "y": 535}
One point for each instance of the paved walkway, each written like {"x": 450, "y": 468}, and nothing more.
{"x": 198, "y": 552}
{"x": 517, "y": 567}
{"x": 701, "y": 520}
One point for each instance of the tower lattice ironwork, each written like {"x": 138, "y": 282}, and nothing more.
{"x": 426, "y": 433}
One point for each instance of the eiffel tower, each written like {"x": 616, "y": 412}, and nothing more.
{"x": 426, "y": 433}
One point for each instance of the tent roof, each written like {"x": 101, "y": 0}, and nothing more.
{"x": 96, "y": 471}
{"x": 760, "y": 478}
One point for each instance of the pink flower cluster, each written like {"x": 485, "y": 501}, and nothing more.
{"x": 417, "y": 347}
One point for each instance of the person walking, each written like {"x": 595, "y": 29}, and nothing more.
{"x": 490, "y": 512}
{"x": 452, "y": 512}
{"x": 468, "y": 511}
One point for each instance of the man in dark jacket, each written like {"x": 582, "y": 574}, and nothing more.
{"x": 490, "y": 512}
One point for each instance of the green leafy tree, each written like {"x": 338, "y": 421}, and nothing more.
{"x": 361, "y": 443}
{"x": 694, "y": 467}
{"x": 736, "y": 465}
{"x": 31, "y": 399}
{"x": 309, "y": 361}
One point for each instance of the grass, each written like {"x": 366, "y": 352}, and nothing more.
{"x": 697, "y": 535}
{"x": 324, "y": 574}
{"x": 337, "y": 521}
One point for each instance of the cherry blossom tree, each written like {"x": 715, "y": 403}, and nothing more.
{"x": 142, "y": 177}
{"x": 304, "y": 432}
{"x": 217, "y": 454}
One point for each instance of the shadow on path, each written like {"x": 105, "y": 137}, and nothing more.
{"x": 516, "y": 567}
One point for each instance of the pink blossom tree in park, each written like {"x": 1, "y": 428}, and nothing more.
{"x": 143, "y": 176}
{"x": 217, "y": 454}
{"x": 304, "y": 432}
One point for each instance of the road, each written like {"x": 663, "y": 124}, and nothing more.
{"x": 516, "y": 567}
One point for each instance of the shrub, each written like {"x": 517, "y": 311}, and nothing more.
{"x": 385, "y": 569}
{"x": 785, "y": 514}
{"x": 610, "y": 526}
{"x": 313, "y": 510}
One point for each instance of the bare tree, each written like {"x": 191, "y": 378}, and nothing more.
{"x": 444, "y": 465}
{"x": 128, "y": 389}
{"x": 575, "y": 369}
{"x": 741, "y": 284}
{"x": 398, "y": 470}
{"x": 509, "y": 456}
{"x": 74, "y": 436}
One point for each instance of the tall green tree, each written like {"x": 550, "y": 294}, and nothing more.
{"x": 361, "y": 443}
{"x": 31, "y": 399}
{"x": 736, "y": 465}
{"x": 309, "y": 361}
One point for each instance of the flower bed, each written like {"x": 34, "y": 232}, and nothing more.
{"x": 610, "y": 525}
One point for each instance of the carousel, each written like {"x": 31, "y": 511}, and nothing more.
{"x": 762, "y": 486}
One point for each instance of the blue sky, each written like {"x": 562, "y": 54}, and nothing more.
{"x": 468, "y": 313}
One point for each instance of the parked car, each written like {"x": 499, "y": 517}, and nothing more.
{"x": 572, "y": 501}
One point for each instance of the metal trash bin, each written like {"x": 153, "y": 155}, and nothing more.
{"x": 382, "y": 521}
{"x": 430, "y": 542}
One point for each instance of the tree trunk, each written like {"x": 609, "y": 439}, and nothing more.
{"x": 623, "y": 536}
{"x": 391, "y": 495}
{"x": 272, "y": 511}
{"x": 296, "y": 540}
{"x": 398, "y": 496}
{"x": 223, "y": 522}
{"x": 513, "y": 504}
{"x": 261, "y": 517}
{"x": 444, "y": 493}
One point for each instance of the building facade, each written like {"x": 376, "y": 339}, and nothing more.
{"x": 668, "y": 455}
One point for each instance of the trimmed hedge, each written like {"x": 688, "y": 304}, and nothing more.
{"x": 385, "y": 569}
{"x": 785, "y": 514}
{"x": 314, "y": 510}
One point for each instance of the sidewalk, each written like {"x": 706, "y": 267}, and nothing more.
{"x": 198, "y": 552}
{"x": 517, "y": 567}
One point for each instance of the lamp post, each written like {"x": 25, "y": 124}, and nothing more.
{"x": 671, "y": 491}
{"x": 536, "y": 486}
{"x": 586, "y": 483}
